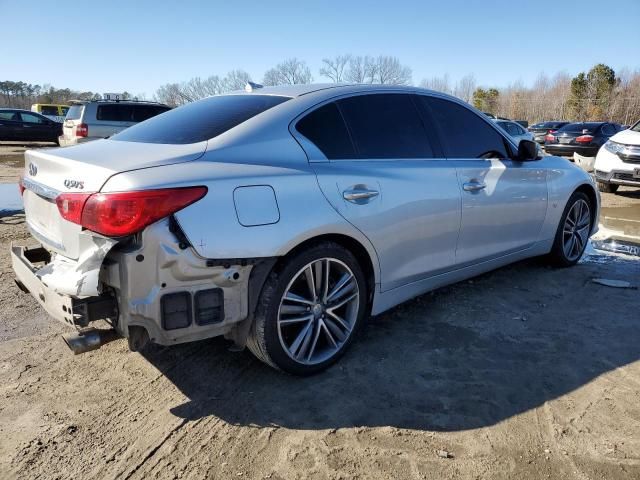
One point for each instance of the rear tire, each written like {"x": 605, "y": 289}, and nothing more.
{"x": 573, "y": 231}
{"x": 305, "y": 333}
{"x": 607, "y": 187}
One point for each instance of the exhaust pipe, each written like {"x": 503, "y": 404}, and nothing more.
{"x": 88, "y": 340}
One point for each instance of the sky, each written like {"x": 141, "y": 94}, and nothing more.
{"x": 113, "y": 46}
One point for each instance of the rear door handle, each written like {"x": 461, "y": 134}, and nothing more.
{"x": 359, "y": 195}
{"x": 473, "y": 186}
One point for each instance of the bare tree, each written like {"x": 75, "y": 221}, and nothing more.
{"x": 439, "y": 84}
{"x": 236, "y": 80}
{"x": 465, "y": 87}
{"x": 291, "y": 71}
{"x": 361, "y": 69}
{"x": 334, "y": 68}
{"x": 390, "y": 71}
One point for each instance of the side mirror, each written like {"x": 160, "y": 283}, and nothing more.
{"x": 527, "y": 150}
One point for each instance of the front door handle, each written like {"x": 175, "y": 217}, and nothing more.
{"x": 473, "y": 186}
{"x": 359, "y": 195}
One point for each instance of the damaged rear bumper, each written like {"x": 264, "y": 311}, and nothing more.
{"x": 32, "y": 267}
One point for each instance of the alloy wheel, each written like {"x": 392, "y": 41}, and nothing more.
{"x": 576, "y": 230}
{"x": 318, "y": 311}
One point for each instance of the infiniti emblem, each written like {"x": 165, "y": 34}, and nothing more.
{"x": 33, "y": 169}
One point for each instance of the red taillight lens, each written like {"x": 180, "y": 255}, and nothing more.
{"x": 552, "y": 131}
{"x": 20, "y": 185}
{"x": 124, "y": 213}
{"x": 82, "y": 130}
{"x": 70, "y": 205}
{"x": 584, "y": 139}
{"x": 550, "y": 138}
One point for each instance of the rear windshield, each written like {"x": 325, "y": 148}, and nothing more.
{"x": 580, "y": 127}
{"x": 201, "y": 120}
{"x": 553, "y": 124}
{"x": 75, "y": 112}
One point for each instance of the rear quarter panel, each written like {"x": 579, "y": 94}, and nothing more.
{"x": 212, "y": 224}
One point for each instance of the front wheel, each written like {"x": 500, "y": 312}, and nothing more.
{"x": 309, "y": 310}
{"x": 573, "y": 231}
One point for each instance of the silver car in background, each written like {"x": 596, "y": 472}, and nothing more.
{"x": 92, "y": 120}
{"x": 282, "y": 217}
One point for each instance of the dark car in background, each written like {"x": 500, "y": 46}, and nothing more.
{"x": 542, "y": 129}
{"x": 23, "y": 125}
{"x": 584, "y": 138}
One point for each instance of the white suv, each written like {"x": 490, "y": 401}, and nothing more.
{"x": 92, "y": 120}
{"x": 618, "y": 161}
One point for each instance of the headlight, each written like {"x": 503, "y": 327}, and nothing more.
{"x": 613, "y": 147}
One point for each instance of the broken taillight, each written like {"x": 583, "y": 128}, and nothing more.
{"x": 119, "y": 214}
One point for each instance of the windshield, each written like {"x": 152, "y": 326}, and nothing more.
{"x": 199, "y": 121}
{"x": 636, "y": 127}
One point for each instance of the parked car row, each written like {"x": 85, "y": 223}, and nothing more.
{"x": 584, "y": 138}
{"x": 83, "y": 120}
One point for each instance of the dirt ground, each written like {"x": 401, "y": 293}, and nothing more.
{"x": 526, "y": 372}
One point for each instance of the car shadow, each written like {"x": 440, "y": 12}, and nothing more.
{"x": 466, "y": 356}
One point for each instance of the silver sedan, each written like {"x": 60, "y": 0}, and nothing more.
{"x": 283, "y": 217}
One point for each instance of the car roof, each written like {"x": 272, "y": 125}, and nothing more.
{"x": 329, "y": 89}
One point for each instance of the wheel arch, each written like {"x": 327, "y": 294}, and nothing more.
{"x": 353, "y": 245}
{"x": 592, "y": 195}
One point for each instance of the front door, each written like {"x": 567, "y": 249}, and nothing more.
{"x": 504, "y": 201}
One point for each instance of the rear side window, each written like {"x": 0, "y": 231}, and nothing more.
{"x": 201, "y": 120}
{"x": 464, "y": 134}
{"x": 144, "y": 112}
{"x": 385, "y": 126}
{"x": 326, "y": 129}
{"x": 75, "y": 112}
{"x": 115, "y": 113}
{"x": 9, "y": 115}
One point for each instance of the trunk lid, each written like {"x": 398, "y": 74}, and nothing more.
{"x": 84, "y": 168}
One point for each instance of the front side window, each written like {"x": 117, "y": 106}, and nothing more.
{"x": 385, "y": 126}
{"x": 201, "y": 120}
{"x": 464, "y": 134}
{"x": 31, "y": 118}
{"x": 326, "y": 129}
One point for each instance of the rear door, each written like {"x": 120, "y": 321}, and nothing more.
{"x": 504, "y": 202}
{"x": 379, "y": 168}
